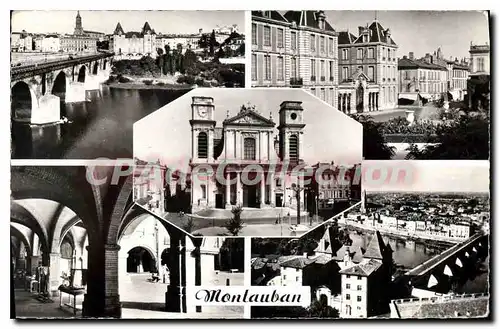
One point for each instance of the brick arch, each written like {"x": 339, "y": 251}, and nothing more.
{"x": 19, "y": 214}
{"x": 81, "y": 72}
{"x": 18, "y": 234}
{"x": 71, "y": 240}
{"x": 60, "y": 231}
{"x": 122, "y": 203}
{"x": 65, "y": 185}
{"x": 20, "y": 92}
{"x": 68, "y": 226}
{"x": 56, "y": 89}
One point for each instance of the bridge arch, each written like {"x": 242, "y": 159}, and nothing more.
{"x": 82, "y": 73}
{"x": 23, "y": 101}
{"x": 60, "y": 85}
{"x": 95, "y": 68}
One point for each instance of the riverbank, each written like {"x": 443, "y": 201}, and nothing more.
{"x": 429, "y": 240}
{"x": 142, "y": 86}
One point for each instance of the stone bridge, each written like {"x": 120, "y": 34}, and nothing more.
{"x": 38, "y": 89}
{"x": 454, "y": 265}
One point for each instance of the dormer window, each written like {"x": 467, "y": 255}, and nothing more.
{"x": 365, "y": 38}
{"x": 267, "y": 14}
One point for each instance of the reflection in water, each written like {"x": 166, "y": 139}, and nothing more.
{"x": 100, "y": 127}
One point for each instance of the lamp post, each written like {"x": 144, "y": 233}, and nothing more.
{"x": 297, "y": 189}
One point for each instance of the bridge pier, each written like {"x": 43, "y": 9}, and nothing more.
{"x": 92, "y": 82}
{"x": 47, "y": 111}
{"x": 75, "y": 92}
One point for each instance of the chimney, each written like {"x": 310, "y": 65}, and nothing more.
{"x": 200, "y": 31}
{"x": 360, "y": 29}
{"x": 405, "y": 57}
{"x": 410, "y": 55}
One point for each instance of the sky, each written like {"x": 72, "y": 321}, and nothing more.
{"x": 105, "y": 21}
{"x": 421, "y": 31}
{"x": 434, "y": 176}
{"x": 329, "y": 135}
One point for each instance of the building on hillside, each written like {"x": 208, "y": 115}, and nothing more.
{"x": 460, "y": 230}
{"x": 297, "y": 49}
{"x": 368, "y": 79}
{"x": 365, "y": 286}
{"x": 420, "y": 78}
{"x": 80, "y": 40}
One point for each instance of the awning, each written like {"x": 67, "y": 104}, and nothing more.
{"x": 411, "y": 96}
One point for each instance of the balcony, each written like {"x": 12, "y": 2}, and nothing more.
{"x": 296, "y": 82}
{"x": 313, "y": 78}
{"x": 323, "y": 79}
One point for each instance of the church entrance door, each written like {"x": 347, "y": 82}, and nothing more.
{"x": 359, "y": 99}
{"x": 250, "y": 196}
{"x": 219, "y": 201}
{"x": 279, "y": 200}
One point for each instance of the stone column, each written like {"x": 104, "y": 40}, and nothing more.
{"x": 239, "y": 191}
{"x": 349, "y": 103}
{"x": 376, "y": 101}
{"x": 54, "y": 274}
{"x": 175, "y": 291}
{"x": 112, "y": 306}
{"x": 94, "y": 299}
{"x": 262, "y": 190}
{"x": 272, "y": 183}
{"x": 228, "y": 191}
{"x": 370, "y": 101}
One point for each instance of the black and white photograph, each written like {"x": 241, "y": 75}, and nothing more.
{"x": 421, "y": 252}
{"x": 418, "y": 81}
{"x": 79, "y": 80}
{"x": 72, "y": 258}
{"x": 249, "y": 162}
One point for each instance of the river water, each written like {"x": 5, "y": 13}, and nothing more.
{"x": 409, "y": 254}
{"x": 100, "y": 127}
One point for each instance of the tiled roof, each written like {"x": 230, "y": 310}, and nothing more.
{"x": 118, "y": 29}
{"x": 346, "y": 37}
{"x": 306, "y": 18}
{"x": 275, "y": 15}
{"x": 297, "y": 262}
{"x": 363, "y": 269}
{"x": 146, "y": 28}
{"x": 377, "y": 34}
{"x": 406, "y": 63}
{"x": 376, "y": 247}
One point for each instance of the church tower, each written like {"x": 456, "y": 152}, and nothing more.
{"x": 291, "y": 131}
{"x": 202, "y": 129}
{"x": 78, "y": 25}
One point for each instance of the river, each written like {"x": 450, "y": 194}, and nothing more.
{"x": 409, "y": 254}
{"x": 98, "y": 128}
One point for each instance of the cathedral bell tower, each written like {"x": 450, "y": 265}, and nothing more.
{"x": 202, "y": 129}
{"x": 291, "y": 129}
{"x": 78, "y": 24}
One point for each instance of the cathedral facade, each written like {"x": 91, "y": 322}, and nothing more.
{"x": 245, "y": 161}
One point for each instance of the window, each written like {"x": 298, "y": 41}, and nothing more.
{"x": 359, "y": 298}
{"x": 203, "y": 191}
{"x": 202, "y": 145}
{"x": 297, "y": 279}
{"x": 293, "y": 64}
{"x": 312, "y": 41}
{"x": 267, "y": 67}
{"x": 371, "y": 73}
{"x": 294, "y": 148}
{"x": 348, "y": 297}
{"x": 284, "y": 277}
{"x": 388, "y": 53}
{"x": 267, "y": 35}
{"x": 249, "y": 148}
{"x": 345, "y": 73}
{"x": 330, "y": 45}
{"x": 344, "y": 53}
{"x": 322, "y": 44}
{"x": 322, "y": 66}
{"x": 359, "y": 278}
{"x": 360, "y": 68}
{"x": 313, "y": 69}
{"x": 280, "y": 69}
{"x": 322, "y": 94}
{"x": 348, "y": 276}
{"x": 332, "y": 71}
{"x": 370, "y": 53}
{"x": 359, "y": 287}
{"x": 254, "y": 34}
{"x": 348, "y": 286}
{"x": 254, "y": 67}
{"x": 360, "y": 53}
{"x": 280, "y": 38}
{"x": 294, "y": 40}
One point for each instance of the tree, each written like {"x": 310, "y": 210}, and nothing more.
{"x": 235, "y": 224}
{"x": 467, "y": 138}
{"x": 320, "y": 309}
{"x": 374, "y": 144}
{"x": 160, "y": 59}
{"x": 190, "y": 59}
{"x": 212, "y": 43}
